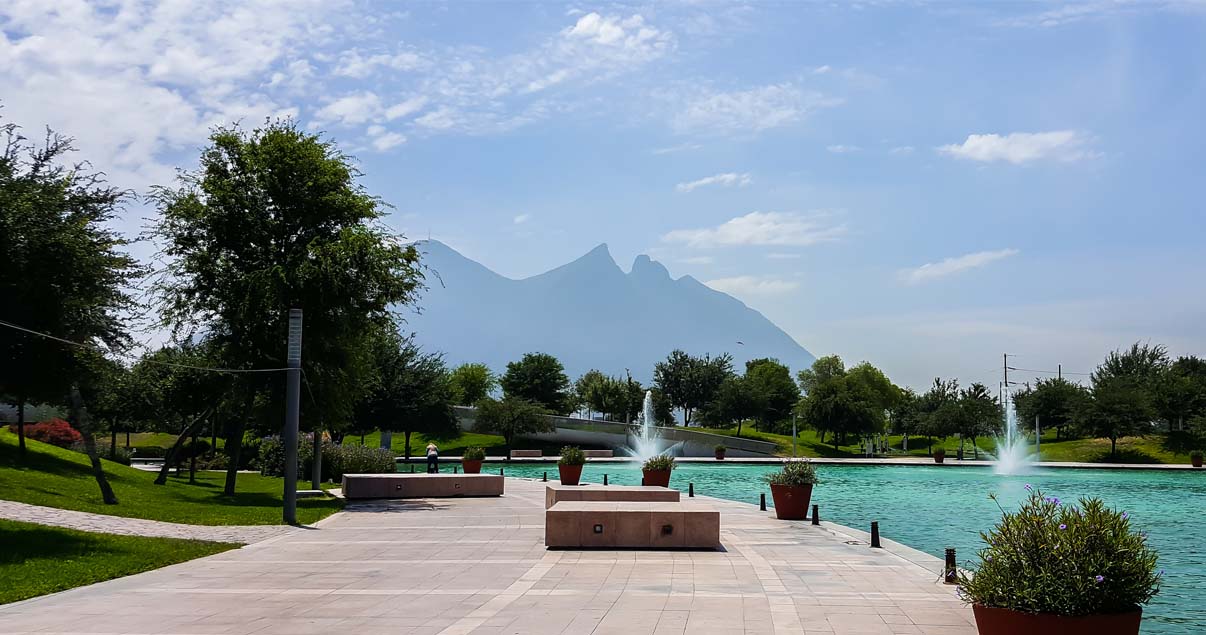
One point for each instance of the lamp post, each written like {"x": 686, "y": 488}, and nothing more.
{"x": 292, "y": 410}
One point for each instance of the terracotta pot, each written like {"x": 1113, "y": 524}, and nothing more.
{"x": 991, "y": 621}
{"x": 719, "y": 455}
{"x": 791, "y": 501}
{"x": 1195, "y": 461}
{"x": 471, "y": 467}
{"x": 570, "y": 474}
{"x": 939, "y": 457}
{"x": 657, "y": 478}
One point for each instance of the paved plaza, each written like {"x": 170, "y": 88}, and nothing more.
{"x": 479, "y": 565}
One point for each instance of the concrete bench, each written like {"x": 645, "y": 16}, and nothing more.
{"x": 526, "y": 454}
{"x": 555, "y": 493}
{"x": 421, "y": 485}
{"x": 632, "y": 525}
{"x": 598, "y": 454}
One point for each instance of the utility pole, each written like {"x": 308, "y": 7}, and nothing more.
{"x": 628, "y": 398}
{"x": 1038, "y": 439}
{"x": 1060, "y": 369}
{"x": 292, "y": 411}
{"x": 794, "y": 434}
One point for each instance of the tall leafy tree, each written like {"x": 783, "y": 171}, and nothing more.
{"x": 821, "y": 371}
{"x": 1180, "y": 394}
{"x": 1143, "y": 363}
{"x": 1120, "y": 407}
{"x": 65, "y": 274}
{"x": 939, "y": 410}
{"x": 411, "y": 392}
{"x": 736, "y": 401}
{"x": 275, "y": 219}
{"x": 776, "y": 392}
{"x": 510, "y": 417}
{"x": 690, "y": 382}
{"x": 979, "y": 415}
{"x": 1054, "y": 402}
{"x": 540, "y": 378}
{"x": 471, "y": 383}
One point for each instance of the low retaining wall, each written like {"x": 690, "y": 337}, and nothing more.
{"x": 421, "y": 485}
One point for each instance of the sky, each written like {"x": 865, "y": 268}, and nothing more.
{"x": 925, "y": 186}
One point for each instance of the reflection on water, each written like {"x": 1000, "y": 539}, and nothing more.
{"x": 931, "y": 508}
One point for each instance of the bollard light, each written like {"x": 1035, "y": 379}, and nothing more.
{"x": 816, "y": 516}
{"x": 951, "y": 575}
{"x": 605, "y": 479}
{"x": 500, "y": 472}
{"x": 546, "y": 477}
{"x": 762, "y": 501}
{"x": 875, "y": 535}
{"x": 690, "y": 490}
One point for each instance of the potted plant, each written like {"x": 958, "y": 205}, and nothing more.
{"x": 720, "y": 450}
{"x": 657, "y": 469}
{"x": 570, "y": 464}
{"x": 1051, "y": 569}
{"x": 471, "y": 460}
{"x": 939, "y": 455}
{"x": 791, "y": 489}
{"x": 1195, "y": 458}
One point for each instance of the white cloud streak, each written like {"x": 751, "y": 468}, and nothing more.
{"x": 728, "y": 179}
{"x": 1021, "y": 147}
{"x": 950, "y": 266}
{"x": 842, "y": 149}
{"x": 761, "y": 228}
{"x": 747, "y": 111}
{"x": 521, "y": 219}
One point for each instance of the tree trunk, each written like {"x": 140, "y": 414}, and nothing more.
{"x": 173, "y": 452}
{"x": 406, "y": 450}
{"x": 1114, "y": 447}
{"x": 362, "y": 439}
{"x": 127, "y": 439}
{"x": 316, "y": 470}
{"x": 21, "y": 425}
{"x": 975, "y": 449}
{"x": 213, "y": 437}
{"x": 192, "y": 463}
{"x": 739, "y": 422}
{"x": 113, "y": 441}
{"x": 822, "y": 436}
{"x": 234, "y": 444}
{"x": 80, "y": 414}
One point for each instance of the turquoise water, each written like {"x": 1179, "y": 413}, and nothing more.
{"x": 931, "y": 508}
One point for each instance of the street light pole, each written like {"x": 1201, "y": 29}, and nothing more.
{"x": 292, "y": 413}
{"x": 794, "y": 434}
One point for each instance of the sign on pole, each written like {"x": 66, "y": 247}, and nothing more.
{"x": 292, "y": 408}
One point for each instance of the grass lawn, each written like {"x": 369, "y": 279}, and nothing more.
{"x": 493, "y": 444}
{"x": 37, "y": 559}
{"x": 56, "y": 477}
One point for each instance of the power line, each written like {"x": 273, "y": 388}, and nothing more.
{"x": 1050, "y": 372}
{"x": 141, "y": 359}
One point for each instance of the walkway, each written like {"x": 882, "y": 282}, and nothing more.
{"x": 101, "y": 523}
{"x": 479, "y": 566}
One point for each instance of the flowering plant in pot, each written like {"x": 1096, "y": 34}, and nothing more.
{"x": 720, "y": 450}
{"x": 1195, "y": 458}
{"x": 570, "y": 464}
{"x": 1058, "y": 569}
{"x": 939, "y": 455}
{"x": 791, "y": 489}
{"x": 656, "y": 470}
{"x": 471, "y": 460}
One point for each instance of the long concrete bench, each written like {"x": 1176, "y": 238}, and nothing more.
{"x": 598, "y": 454}
{"x": 421, "y": 485}
{"x": 555, "y": 493}
{"x": 526, "y": 454}
{"x": 632, "y": 525}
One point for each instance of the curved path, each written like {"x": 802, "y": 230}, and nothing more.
{"x": 479, "y": 565}
{"x": 102, "y": 523}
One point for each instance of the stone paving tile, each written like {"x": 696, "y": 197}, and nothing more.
{"x": 101, "y": 523}
{"x": 479, "y": 566}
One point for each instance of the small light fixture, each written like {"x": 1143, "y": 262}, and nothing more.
{"x": 598, "y": 529}
{"x": 667, "y": 530}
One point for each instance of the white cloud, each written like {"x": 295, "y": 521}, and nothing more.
{"x": 842, "y": 149}
{"x": 697, "y": 260}
{"x": 406, "y": 107}
{"x": 761, "y": 228}
{"x": 949, "y": 266}
{"x": 902, "y": 150}
{"x": 1021, "y": 147}
{"x": 778, "y": 255}
{"x": 728, "y": 179}
{"x": 747, "y": 111}
{"x": 683, "y": 147}
{"x": 753, "y": 285}
{"x": 821, "y": 70}
{"x": 355, "y": 64}
{"x": 356, "y": 108}
{"x": 388, "y": 140}
{"x": 521, "y": 219}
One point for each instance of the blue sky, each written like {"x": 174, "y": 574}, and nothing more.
{"x": 922, "y": 185}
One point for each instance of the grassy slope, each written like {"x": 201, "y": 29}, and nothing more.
{"x": 41, "y": 560}
{"x": 55, "y": 477}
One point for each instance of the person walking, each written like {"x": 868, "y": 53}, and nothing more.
{"x": 433, "y": 459}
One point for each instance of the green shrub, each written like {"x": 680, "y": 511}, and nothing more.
{"x": 337, "y": 460}
{"x": 720, "y": 447}
{"x": 1196, "y": 454}
{"x": 1048, "y": 557}
{"x": 572, "y": 455}
{"x": 939, "y": 451}
{"x": 793, "y": 474}
{"x": 474, "y": 453}
{"x": 659, "y": 463}
{"x": 102, "y": 450}
{"x": 149, "y": 452}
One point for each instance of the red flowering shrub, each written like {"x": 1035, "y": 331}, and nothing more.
{"x": 53, "y": 431}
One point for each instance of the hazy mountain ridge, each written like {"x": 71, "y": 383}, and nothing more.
{"x": 589, "y": 313}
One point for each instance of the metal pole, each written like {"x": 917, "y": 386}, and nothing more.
{"x": 292, "y": 413}
{"x": 816, "y": 515}
{"x": 951, "y": 573}
{"x": 794, "y": 434}
{"x": 1038, "y": 440}
{"x": 762, "y": 501}
{"x": 875, "y": 535}
{"x": 690, "y": 490}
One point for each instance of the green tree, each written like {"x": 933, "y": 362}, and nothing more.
{"x": 471, "y": 383}
{"x": 411, "y": 392}
{"x": 842, "y": 406}
{"x": 690, "y": 382}
{"x": 65, "y": 274}
{"x": 735, "y": 401}
{"x": 939, "y": 410}
{"x": 273, "y": 220}
{"x": 979, "y": 415}
{"x": 821, "y": 371}
{"x": 538, "y": 377}
{"x": 1180, "y": 394}
{"x": 510, "y": 417}
{"x": 1120, "y": 406}
{"x": 776, "y": 392}
{"x": 1054, "y": 402}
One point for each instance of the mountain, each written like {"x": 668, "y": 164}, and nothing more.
{"x": 589, "y": 314}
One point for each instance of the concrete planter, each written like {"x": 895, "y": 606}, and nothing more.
{"x": 791, "y": 501}
{"x": 719, "y": 455}
{"x": 1195, "y": 461}
{"x": 658, "y": 478}
{"x": 939, "y": 457}
{"x": 570, "y": 474}
{"x": 992, "y": 621}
